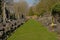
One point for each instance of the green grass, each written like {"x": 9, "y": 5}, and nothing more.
{"x": 32, "y": 30}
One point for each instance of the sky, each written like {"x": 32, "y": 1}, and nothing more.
{"x": 30, "y": 2}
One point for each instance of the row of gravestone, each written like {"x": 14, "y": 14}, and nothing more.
{"x": 9, "y": 27}
{"x": 47, "y": 21}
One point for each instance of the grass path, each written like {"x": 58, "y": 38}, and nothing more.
{"x": 32, "y": 30}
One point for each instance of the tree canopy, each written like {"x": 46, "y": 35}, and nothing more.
{"x": 56, "y": 9}
{"x": 45, "y": 6}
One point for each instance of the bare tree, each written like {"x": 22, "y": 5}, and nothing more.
{"x": 20, "y": 8}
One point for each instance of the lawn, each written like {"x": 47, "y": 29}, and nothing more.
{"x": 32, "y": 30}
